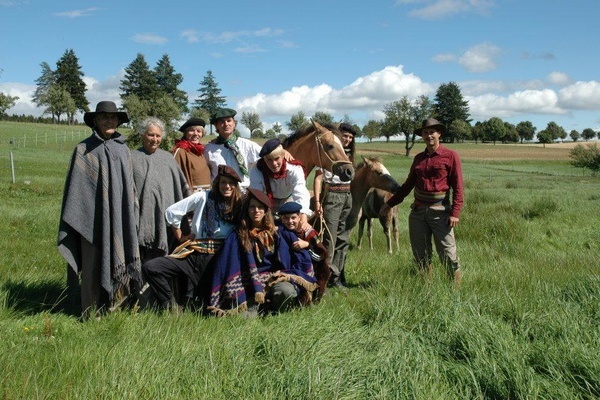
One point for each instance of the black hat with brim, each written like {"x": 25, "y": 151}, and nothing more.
{"x": 431, "y": 123}
{"x": 269, "y": 146}
{"x": 106, "y": 107}
{"x": 290, "y": 207}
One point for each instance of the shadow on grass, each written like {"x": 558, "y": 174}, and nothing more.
{"x": 30, "y": 298}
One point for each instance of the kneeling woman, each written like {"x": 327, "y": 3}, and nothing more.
{"x": 216, "y": 212}
{"x": 256, "y": 268}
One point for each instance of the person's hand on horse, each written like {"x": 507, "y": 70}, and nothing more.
{"x": 288, "y": 156}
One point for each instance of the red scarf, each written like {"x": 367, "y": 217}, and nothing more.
{"x": 196, "y": 148}
{"x": 281, "y": 174}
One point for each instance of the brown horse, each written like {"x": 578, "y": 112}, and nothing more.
{"x": 320, "y": 146}
{"x": 370, "y": 209}
{"x": 371, "y": 173}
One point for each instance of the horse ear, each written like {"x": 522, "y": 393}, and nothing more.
{"x": 368, "y": 161}
{"x": 317, "y": 125}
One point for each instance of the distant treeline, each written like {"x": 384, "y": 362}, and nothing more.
{"x": 31, "y": 118}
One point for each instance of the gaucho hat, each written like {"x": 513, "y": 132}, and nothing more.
{"x": 431, "y": 123}
{"x": 192, "y": 122}
{"x": 107, "y": 107}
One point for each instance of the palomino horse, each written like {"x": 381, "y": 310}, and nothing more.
{"x": 320, "y": 146}
{"x": 371, "y": 173}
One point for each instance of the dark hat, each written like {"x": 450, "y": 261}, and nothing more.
{"x": 260, "y": 196}
{"x": 431, "y": 123}
{"x": 222, "y": 113}
{"x": 269, "y": 146}
{"x": 105, "y": 107}
{"x": 226, "y": 170}
{"x": 290, "y": 208}
{"x": 346, "y": 127}
{"x": 192, "y": 122}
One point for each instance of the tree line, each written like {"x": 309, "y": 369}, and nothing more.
{"x": 146, "y": 91}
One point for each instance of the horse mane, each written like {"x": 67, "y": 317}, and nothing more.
{"x": 302, "y": 132}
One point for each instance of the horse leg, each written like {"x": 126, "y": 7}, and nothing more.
{"x": 395, "y": 228}
{"x": 361, "y": 226}
{"x": 386, "y": 225}
{"x": 370, "y": 226}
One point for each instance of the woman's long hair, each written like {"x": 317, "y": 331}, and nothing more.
{"x": 245, "y": 226}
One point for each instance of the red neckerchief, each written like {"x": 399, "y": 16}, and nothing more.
{"x": 196, "y": 148}
{"x": 267, "y": 173}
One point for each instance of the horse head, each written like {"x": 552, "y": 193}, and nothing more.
{"x": 373, "y": 174}
{"x": 331, "y": 153}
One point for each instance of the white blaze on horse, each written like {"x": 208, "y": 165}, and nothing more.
{"x": 369, "y": 188}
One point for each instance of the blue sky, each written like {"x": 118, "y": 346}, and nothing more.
{"x": 515, "y": 59}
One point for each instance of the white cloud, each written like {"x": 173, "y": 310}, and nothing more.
{"x": 149, "y": 38}
{"x": 249, "y": 49}
{"x": 581, "y": 96}
{"x": 446, "y": 57}
{"x": 522, "y": 102}
{"x": 77, "y": 13}
{"x": 365, "y": 94}
{"x": 24, "y": 105}
{"x": 480, "y": 58}
{"x": 437, "y": 9}
{"x": 559, "y": 78}
{"x": 191, "y": 35}
{"x": 230, "y": 36}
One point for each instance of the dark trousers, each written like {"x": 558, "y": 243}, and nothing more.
{"x": 159, "y": 272}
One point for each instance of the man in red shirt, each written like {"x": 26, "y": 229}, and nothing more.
{"x": 435, "y": 175}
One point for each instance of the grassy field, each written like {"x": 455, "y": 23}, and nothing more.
{"x": 524, "y": 324}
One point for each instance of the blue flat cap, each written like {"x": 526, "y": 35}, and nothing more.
{"x": 269, "y": 146}
{"x": 289, "y": 208}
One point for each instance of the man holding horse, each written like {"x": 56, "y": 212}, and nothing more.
{"x": 333, "y": 201}
{"x": 434, "y": 174}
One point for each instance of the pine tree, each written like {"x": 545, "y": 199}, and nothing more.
{"x": 139, "y": 80}
{"x": 168, "y": 82}
{"x": 68, "y": 74}
{"x": 209, "y": 98}
{"x": 450, "y": 106}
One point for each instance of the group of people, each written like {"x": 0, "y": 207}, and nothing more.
{"x": 226, "y": 224}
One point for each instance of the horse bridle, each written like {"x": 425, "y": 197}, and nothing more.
{"x": 332, "y": 161}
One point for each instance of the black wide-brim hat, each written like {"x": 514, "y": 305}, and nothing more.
{"x": 107, "y": 107}
{"x": 192, "y": 122}
{"x": 431, "y": 123}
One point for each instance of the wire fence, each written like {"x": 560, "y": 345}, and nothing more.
{"x": 41, "y": 139}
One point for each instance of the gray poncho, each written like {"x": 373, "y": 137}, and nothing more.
{"x": 159, "y": 183}
{"x": 99, "y": 204}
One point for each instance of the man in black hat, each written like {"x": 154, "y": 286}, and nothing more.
{"x": 333, "y": 200}
{"x": 98, "y": 228}
{"x": 435, "y": 175}
{"x": 230, "y": 149}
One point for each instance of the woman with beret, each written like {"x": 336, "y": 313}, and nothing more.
{"x": 216, "y": 212}
{"x": 189, "y": 154}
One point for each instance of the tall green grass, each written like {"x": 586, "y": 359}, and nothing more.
{"x": 524, "y": 324}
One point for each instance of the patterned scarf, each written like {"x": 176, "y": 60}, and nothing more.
{"x": 214, "y": 214}
{"x": 196, "y": 148}
{"x": 231, "y": 145}
{"x": 263, "y": 240}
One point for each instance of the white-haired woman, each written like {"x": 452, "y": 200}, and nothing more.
{"x": 159, "y": 182}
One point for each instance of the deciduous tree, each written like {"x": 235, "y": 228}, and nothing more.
{"x": 59, "y": 102}
{"x": 494, "y": 129}
{"x": 251, "y": 120}
{"x": 43, "y": 83}
{"x": 586, "y": 157}
{"x": 372, "y": 129}
{"x": 399, "y": 119}
{"x": 526, "y": 130}
{"x": 574, "y": 135}
{"x": 588, "y": 134}
{"x": 6, "y": 102}
{"x": 460, "y": 129}
{"x": 297, "y": 121}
